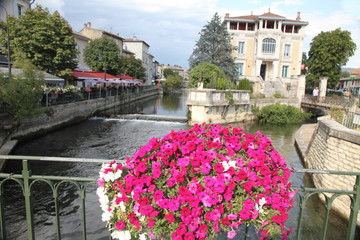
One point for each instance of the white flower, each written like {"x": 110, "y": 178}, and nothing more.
{"x": 142, "y": 236}
{"x": 122, "y": 207}
{"x": 105, "y": 217}
{"x": 229, "y": 164}
{"x": 259, "y": 206}
{"x": 122, "y": 235}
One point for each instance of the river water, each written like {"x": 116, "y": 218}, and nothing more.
{"x": 107, "y": 137}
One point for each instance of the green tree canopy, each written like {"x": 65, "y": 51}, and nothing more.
{"x": 329, "y": 51}
{"x": 46, "y": 39}
{"x": 168, "y": 72}
{"x": 173, "y": 82}
{"x": 214, "y": 46}
{"x": 103, "y": 54}
{"x": 132, "y": 67}
{"x": 207, "y": 73}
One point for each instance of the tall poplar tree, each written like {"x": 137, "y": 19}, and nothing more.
{"x": 329, "y": 51}
{"x": 46, "y": 39}
{"x": 214, "y": 46}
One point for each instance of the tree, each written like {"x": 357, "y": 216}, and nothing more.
{"x": 20, "y": 95}
{"x": 168, "y": 72}
{"x": 103, "y": 54}
{"x": 46, "y": 39}
{"x": 132, "y": 67}
{"x": 207, "y": 73}
{"x": 329, "y": 51}
{"x": 173, "y": 82}
{"x": 214, "y": 46}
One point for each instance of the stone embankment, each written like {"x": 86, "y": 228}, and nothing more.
{"x": 331, "y": 147}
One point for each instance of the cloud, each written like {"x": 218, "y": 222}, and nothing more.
{"x": 52, "y": 5}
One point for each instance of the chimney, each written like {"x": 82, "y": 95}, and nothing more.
{"x": 87, "y": 25}
{"x": 298, "y": 18}
{"x": 227, "y": 15}
{"x": 251, "y": 13}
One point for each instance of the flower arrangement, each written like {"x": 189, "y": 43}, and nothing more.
{"x": 60, "y": 90}
{"x": 193, "y": 184}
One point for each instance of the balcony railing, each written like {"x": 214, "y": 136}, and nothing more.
{"x": 27, "y": 182}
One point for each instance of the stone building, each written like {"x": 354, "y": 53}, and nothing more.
{"x": 269, "y": 50}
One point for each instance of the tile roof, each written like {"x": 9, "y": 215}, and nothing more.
{"x": 355, "y": 71}
{"x": 90, "y": 75}
{"x": 265, "y": 15}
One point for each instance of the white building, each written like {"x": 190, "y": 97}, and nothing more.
{"x": 13, "y": 8}
{"x": 269, "y": 50}
{"x": 141, "y": 50}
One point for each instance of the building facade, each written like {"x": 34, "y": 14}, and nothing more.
{"x": 268, "y": 48}
{"x": 81, "y": 43}
{"x": 14, "y": 8}
{"x": 93, "y": 34}
{"x": 141, "y": 50}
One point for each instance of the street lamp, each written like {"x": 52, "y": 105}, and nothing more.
{"x": 8, "y": 39}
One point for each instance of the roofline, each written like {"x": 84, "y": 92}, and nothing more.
{"x": 296, "y": 23}
{"x": 240, "y": 20}
{"x": 137, "y": 40}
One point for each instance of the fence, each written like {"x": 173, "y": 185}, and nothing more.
{"x": 27, "y": 182}
{"x": 351, "y": 120}
{"x": 51, "y": 98}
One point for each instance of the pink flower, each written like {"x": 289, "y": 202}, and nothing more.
{"x": 120, "y": 225}
{"x": 245, "y": 214}
{"x": 231, "y": 234}
{"x": 170, "y": 217}
{"x": 101, "y": 182}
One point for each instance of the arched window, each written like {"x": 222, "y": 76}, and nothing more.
{"x": 268, "y": 45}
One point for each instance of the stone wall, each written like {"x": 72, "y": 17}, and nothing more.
{"x": 61, "y": 115}
{"x": 210, "y": 105}
{"x": 334, "y": 147}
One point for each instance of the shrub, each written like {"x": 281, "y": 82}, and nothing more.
{"x": 244, "y": 84}
{"x": 281, "y": 114}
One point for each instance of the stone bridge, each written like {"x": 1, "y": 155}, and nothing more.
{"x": 326, "y": 103}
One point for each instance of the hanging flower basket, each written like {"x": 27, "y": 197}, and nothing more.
{"x": 193, "y": 184}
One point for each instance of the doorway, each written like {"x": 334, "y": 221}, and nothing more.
{"x": 263, "y": 71}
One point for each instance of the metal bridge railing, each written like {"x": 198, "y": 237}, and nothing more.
{"x": 26, "y": 181}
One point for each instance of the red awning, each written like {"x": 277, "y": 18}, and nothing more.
{"x": 125, "y": 77}
{"x": 82, "y": 75}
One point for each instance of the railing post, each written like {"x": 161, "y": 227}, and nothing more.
{"x": 27, "y": 194}
{"x": 355, "y": 205}
{"x": 2, "y": 214}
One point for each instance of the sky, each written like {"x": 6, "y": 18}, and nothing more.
{"x": 171, "y": 28}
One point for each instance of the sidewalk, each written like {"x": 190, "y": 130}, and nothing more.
{"x": 303, "y": 137}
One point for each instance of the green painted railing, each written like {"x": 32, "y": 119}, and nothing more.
{"x": 26, "y": 181}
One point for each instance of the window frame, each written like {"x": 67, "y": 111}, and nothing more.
{"x": 287, "y": 50}
{"x": 242, "y": 43}
{"x": 285, "y": 71}
{"x": 268, "y": 45}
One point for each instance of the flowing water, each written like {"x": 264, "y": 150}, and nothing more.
{"x": 107, "y": 137}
